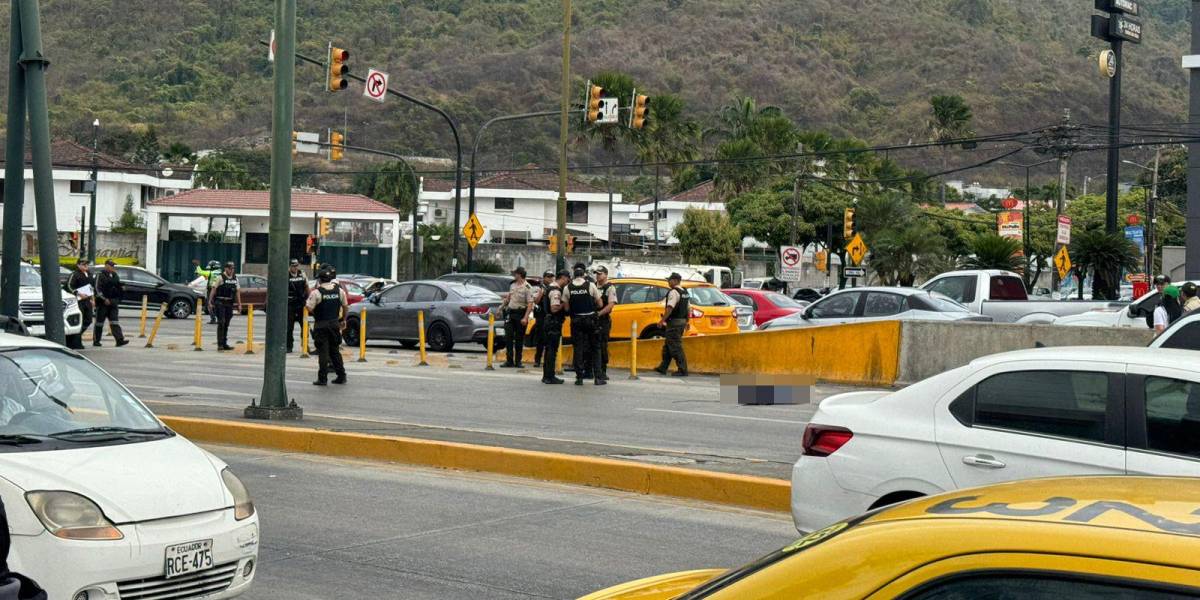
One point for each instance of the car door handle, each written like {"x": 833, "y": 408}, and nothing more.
{"x": 985, "y": 461}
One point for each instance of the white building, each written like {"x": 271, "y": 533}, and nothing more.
{"x": 974, "y": 191}
{"x": 119, "y": 182}
{"x": 670, "y": 211}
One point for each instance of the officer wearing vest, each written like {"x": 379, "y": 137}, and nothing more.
{"x": 297, "y": 297}
{"x": 583, "y": 304}
{"x": 556, "y": 311}
{"x": 327, "y": 304}
{"x": 225, "y": 298}
{"x": 517, "y": 307}
{"x": 608, "y": 301}
{"x": 539, "y": 318}
{"x": 675, "y": 321}
{"x": 109, "y": 291}
{"x": 214, "y": 276}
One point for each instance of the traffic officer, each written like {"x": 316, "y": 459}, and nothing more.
{"x": 583, "y": 304}
{"x": 556, "y": 312}
{"x": 109, "y": 291}
{"x": 297, "y": 297}
{"x": 83, "y": 287}
{"x": 213, "y": 274}
{"x": 608, "y": 301}
{"x": 327, "y": 304}
{"x": 540, "y": 315}
{"x": 225, "y": 297}
{"x": 517, "y": 307}
{"x": 675, "y": 321}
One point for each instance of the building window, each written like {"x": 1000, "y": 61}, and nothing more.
{"x": 504, "y": 204}
{"x": 577, "y": 212}
{"x": 79, "y": 186}
{"x": 662, "y": 214}
{"x": 256, "y": 248}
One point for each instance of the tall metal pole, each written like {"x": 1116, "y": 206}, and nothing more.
{"x": 1192, "y": 253}
{"x": 564, "y": 124}
{"x": 657, "y": 180}
{"x": 1114, "y": 138}
{"x": 14, "y": 173}
{"x": 91, "y": 243}
{"x": 1152, "y": 216}
{"x": 1058, "y": 211}
{"x": 1025, "y": 226}
{"x": 273, "y": 403}
{"x": 35, "y": 64}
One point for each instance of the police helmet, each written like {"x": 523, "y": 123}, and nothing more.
{"x": 212, "y": 264}
{"x": 326, "y": 274}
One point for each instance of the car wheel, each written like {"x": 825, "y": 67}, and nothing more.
{"x": 179, "y": 308}
{"x": 408, "y": 344}
{"x": 439, "y": 338}
{"x": 350, "y": 335}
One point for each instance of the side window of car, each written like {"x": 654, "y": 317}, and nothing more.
{"x": 1173, "y": 416}
{"x": 642, "y": 293}
{"x": 399, "y": 293}
{"x": 1186, "y": 337}
{"x": 425, "y": 293}
{"x": 1070, "y": 404}
{"x": 882, "y": 304}
{"x": 243, "y": 281}
{"x": 959, "y": 289}
{"x": 1035, "y": 586}
{"x": 840, "y": 305}
{"x": 258, "y": 282}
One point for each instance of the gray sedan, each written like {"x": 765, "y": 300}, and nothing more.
{"x": 857, "y": 305}
{"x": 454, "y": 313}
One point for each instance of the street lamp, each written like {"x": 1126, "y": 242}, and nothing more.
{"x": 91, "y": 236}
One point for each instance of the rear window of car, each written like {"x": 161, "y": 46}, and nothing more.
{"x": 1007, "y": 287}
{"x": 782, "y": 301}
{"x": 708, "y": 296}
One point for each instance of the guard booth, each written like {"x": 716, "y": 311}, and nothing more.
{"x": 360, "y": 234}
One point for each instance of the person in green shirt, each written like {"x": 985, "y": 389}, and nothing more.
{"x": 213, "y": 275}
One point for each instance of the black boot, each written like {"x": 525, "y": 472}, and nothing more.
{"x": 118, "y": 335}
{"x": 97, "y": 333}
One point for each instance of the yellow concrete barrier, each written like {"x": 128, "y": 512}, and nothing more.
{"x": 145, "y": 307}
{"x": 694, "y": 484}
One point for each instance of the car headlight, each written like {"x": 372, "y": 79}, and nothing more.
{"x": 71, "y": 516}
{"x": 243, "y": 508}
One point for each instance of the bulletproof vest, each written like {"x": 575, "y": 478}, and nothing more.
{"x": 330, "y": 305}
{"x": 604, "y": 294}
{"x": 682, "y": 310}
{"x": 296, "y": 284}
{"x": 579, "y": 298}
{"x": 226, "y": 287}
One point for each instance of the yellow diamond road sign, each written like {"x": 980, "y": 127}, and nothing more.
{"x": 473, "y": 230}
{"x": 857, "y": 249}
{"x": 1062, "y": 262}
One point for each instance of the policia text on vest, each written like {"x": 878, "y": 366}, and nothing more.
{"x": 583, "y": 305}
{"x": 327, "y": 304}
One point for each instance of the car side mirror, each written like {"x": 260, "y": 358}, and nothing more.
{"x": 806, "y": 314}
{"x": 375, "y": 300}
{"x": 1134, "y": 311}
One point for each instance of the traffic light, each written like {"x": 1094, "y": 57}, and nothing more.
{"x": 325, "y": 227}
{"x": 337, "y": 145}
{"x": 592, "y": 103}
{"x": 848, "y": 224}
{"x": 640, "y": 111}
{"x": 553, "y": 240}
{"x": 335, "y": 78}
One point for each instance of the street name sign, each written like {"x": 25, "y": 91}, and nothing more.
{"x": 855, "y": 272}
{"x": 789, "y": 260}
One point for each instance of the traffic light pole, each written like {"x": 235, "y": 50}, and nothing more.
{"x": 1114, "y": 139}
{"x": 14, "y": 172}
{"x": 561, "y": 262}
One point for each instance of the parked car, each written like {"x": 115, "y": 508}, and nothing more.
{"x": 1183, "y": 334}
{"x": 354, "y": 292}
{"x": 102, "y": 499}
{"x": 766, "y": 305}
{"x": 139, "y": 283}
{"x": 1031, "y": 413}
{"x": 643, "y": 300}
{"x": 30, "y": 309}
{"x": 454, "y": 313}
{"x": 496, "y": 283}
{"x": 375, "y": 285}
{"x": 809, "y": 295}
{"x": 254, "y": 291}
{"x": 1117, "y": 314}
{"x": 1001, "y": 295}
{"x": 860, "y": 305}
{"x": 1130, "y": 538}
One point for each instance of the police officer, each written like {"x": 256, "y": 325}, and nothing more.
{"x": 556, "y": 312}
{"x": 83, "y": 287}
{"x": 1160, "y": 283}
{"x": 297, "y": 297}
{"x": 608, "y": 301}
{"x": 583, "y": 304}
{"x": 109, "y": 291}
{"x": 225, "y": 298}
{"x": 540, "y": 315}
{"x": 517, "y": 307}
{"x": 214, "y": 275}
{"x": 675, "y": 321}
{"x": 327, "y": 304}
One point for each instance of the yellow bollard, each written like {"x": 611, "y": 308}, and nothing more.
{"x": 529, "y": 327}
{"x": 362, "y": 336}
{"x": 145, "y": 305}
{"x": 249, "y": 329}
{"x": 304, "y": 334}
{"x": 633, "y": 339}
{"x": 491, "y": 344}
{"x": 157, "y": 321}
{"x": 421, "y": 337}
{"x": 558, "y": 360}
{"x": 199, "y": 315}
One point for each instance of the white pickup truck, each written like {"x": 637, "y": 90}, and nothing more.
{"x": 1001, "y": 295}
{"x": 30, "y": 311}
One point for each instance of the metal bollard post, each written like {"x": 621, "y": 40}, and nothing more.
{"x": 145, "y": 305}
{"x": 304, "y": 334}
{"x": 249, "y": 329}
{"x": 491, "y": 341}
{"x": 157, "y": 321}
{"x": 421, "y": 337}
{"x": 633, "y": 340}
{"x": 362, "y": 336}
{"x": 199, "y": 315}
{"x": 558, "y": 360}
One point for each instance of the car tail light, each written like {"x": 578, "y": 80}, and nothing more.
{"x": 475, "y": 310}
{"x": 823, "y": 440}
{"x": 696, "y": 314}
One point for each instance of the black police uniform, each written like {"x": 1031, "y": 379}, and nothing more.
{"x": 551, "y": 334}
{"x": 603, "y": 331}
{"x": 223, "y": 300}
{"x": 584, "y": 323}
{"x": 327, "y": 332}
{"x": 297, "y": 295}
{"x": 87, "y": 307}
{"x": 109, "y": 291}
{"x": 677, "y": 323}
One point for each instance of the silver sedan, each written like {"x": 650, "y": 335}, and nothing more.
{"x": 454, "y": 313}
{"x": 857, "y": 305}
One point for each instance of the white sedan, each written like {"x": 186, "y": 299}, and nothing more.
{"x": 103, "y": 501}
{"x": 858, "y": 305}
{"x": 1017, "y": 415}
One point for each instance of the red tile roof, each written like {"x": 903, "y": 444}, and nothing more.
{"x": 66, "y": 154}
{"x": 304, "y": 202}
{"x": 700, "y": 193}
{"x": 531, "y": 180}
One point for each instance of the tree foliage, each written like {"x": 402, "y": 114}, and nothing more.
{"x": 708, "y": 238}
{"x": 392, "y": 183}
{"x": 993, "y": 251}
{"x": 1104, "y": 255}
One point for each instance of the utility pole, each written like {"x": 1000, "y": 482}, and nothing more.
{"x": 561, "y": 253}
{"x": 91, "y": 226}
{"x": 1063, "y": 156}
{"x": 1114, "y": 138}
{"x": 273, "y": 403}
{"x": 1152, "y": 216}
{"x": 1191, "y": 62}
{"x": 14, "y": 171}
{"x": 796, "y": 196}
{"x": 1116, "y": 28}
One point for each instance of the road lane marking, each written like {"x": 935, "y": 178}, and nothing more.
{"x": 719, "y": 416}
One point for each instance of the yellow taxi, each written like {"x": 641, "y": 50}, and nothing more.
{"x": 1043, "y": 539}
{"x": 643, "y": 301}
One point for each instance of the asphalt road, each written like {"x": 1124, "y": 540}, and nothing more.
{"x": 654, "y": 414}
{"x": 351, "y": 529}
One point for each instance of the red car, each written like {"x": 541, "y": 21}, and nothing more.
{"x": 767, "y": 304}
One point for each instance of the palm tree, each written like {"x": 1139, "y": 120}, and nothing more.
{"x": 1105, "y": 254}
{"x": 900, "y": 254}
{"x": 950, "y": 119}
{"x": 617, "y": 85}
{"x": 735, "y": 119}
{"x": 991, "y": 251}
{"x": 669, "y": 137}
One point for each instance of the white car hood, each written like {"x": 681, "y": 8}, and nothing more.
{"x": 130, "y": 482}
{"x": 34, "y": 294}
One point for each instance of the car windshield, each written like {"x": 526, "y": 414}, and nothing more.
{"x": 353, "y": 288}
{"x": 709, "y": 296}
{"x": 472, "y": 292}
{"x": 782, "y": 301}
{"x": 30, "y": 276}
{"x": 51, "y": 395}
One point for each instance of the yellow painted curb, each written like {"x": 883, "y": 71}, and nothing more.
{"x": 723, "y": 488}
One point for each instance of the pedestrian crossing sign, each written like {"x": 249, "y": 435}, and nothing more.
{"x": 1062, "y": 262}
{"x": 473, "y": 231}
